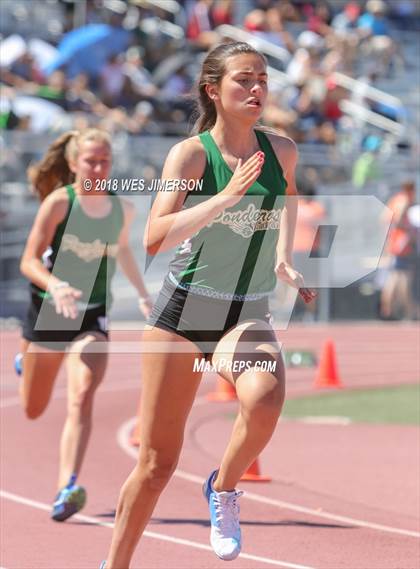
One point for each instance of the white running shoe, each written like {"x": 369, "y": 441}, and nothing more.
{"x": 225, "y": 535}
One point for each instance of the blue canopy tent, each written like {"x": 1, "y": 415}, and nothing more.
{"x": 86, "y": 49}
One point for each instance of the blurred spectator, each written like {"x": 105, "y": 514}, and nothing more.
{"x": 93, "y": 12}
{"x": 268, "y": 26}
{"x": 374, "y": 29}
{"x": 115, "y": 11}
{"x": 204, "y": 17}
{"x": 177, "y": 85}
{"x": 345, "y": 27}
{"x": 280, "y": 117}
{"x": 307, "y": 105}
{"x": 373, "y": 21}
{"x": 112, "y": 79}
{"x": 140, "y": 118}
{"x": 140, "y": 78}
{"x": 317, "y": 97}
{"x": 85, "y": 106}
{"x": 306, "y": 244}
{"x": 55, "y": 89}
{"x": 306, "y": 59}
{"x": 174, "y": 97}
{"x": 222, "y": 12}
{"x": 346, "y": 21}
{"x": 324, "y": 133}
{"x": 331, "y": 104}
{"x": 276, "y": 24}
{"x": 114, "y": 121}
{"x": 413, "y": 217}
{"x": 319, "y": 19}
{"x": 396, "y": 297}
{"x": 366, "y": 167}
{"x": 336, "y": 59}
{"x": 82, "y": 121}
{"x": 23, "y": 111}
{"x": 288, "y": 11}
{"x": 23, "y": 70}
{"x": 10, "y": 121}
{"x": 79, "y": 97}
{"x": 309, "y": 109}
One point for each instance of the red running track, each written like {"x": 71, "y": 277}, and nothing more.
{"x": 341, "y": 497}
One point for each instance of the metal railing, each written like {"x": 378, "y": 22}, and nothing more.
{"x": 170, "y": 6}
{"x": 266, "y": 47}
{"x": 358, "y": 89}
{"x": 361, "y": 88}
{"x": 151, "y": 25}
{"x": 364, "y": 115}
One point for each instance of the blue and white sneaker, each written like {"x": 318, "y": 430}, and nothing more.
{"x": 18, "y": 363}
{"x": 102, "y": 566}
{"x": 225, "y": 535}
{"x": 68, "y": 501}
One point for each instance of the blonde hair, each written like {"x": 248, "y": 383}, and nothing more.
{"x": 53, "y": 170}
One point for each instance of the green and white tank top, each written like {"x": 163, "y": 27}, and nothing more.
{"x": 84, "y": 249}
{"x": 234, "y": 256}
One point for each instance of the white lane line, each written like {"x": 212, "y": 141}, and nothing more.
{"x": 324, "y": 420}
{"x": 123, "y": 436}
{"x": 152, "y": 534}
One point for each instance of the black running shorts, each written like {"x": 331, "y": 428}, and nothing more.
{"x": 201, "y": 319}
{"x": 53, "y": 331}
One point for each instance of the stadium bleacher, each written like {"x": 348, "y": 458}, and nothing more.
{"x": 151, "y": 106}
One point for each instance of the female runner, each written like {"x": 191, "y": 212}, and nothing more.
{"x": 235, "y": 240}
{"x": 69, "y": 259}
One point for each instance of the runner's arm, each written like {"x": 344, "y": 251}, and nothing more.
{"x": 125, "y": 253}
{"x": 168, "y": 225}
{"x": 287, "y": 155}
{"x": 50, "y": 214}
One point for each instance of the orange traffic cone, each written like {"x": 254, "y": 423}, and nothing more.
{"x": 135, "y": 433}
{"x": 253, "y": 474}
{"x": 327, "y": 375}
{"x": 224, "y": 391}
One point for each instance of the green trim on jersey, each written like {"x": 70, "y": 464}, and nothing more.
{"x": 234, "y": 254}
{"x": 83, "y": 250}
